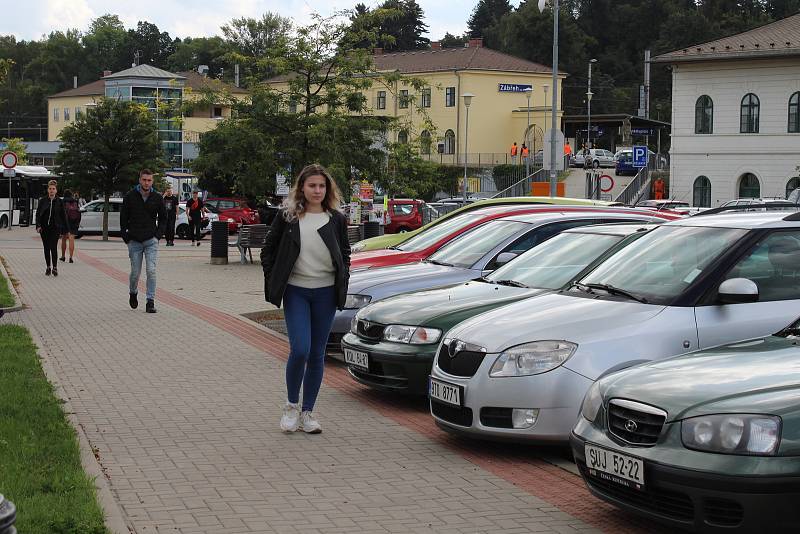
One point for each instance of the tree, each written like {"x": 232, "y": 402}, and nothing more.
{"x": 251, "y": 40}
{"x": 106, "y": 45}
{"x": 404, "y": 20}
{"x": 17, "y": 146}
{"x": 452, "y": 41}
{"x": 106, "y": 147}
{"x": 408, "y": 174}
{"x": 153, "y": 45}
{"x": 192, "y": 52}
{"x": 486, "y": 14}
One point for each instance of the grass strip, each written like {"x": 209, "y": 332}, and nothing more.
{"x": 40, "y": 468}
{"x": 6, "y": 298}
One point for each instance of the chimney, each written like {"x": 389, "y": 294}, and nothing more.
{"x": 475, "y": 43}
{"x": 436, "y": 45}
{"x": 377, "y": 51}
{"x": 106, "y": 73}
{"x": 74, "y": 82}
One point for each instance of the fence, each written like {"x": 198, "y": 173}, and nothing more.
{"x": 636, "y": 189}
{"x": 481, "y": 159}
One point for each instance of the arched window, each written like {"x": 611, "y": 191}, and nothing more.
{"x": 704, "y": 115}
{"x": 748, "y": 121}
{"x": 425, "y": 142}
{"x": 792, "y": 184}
{"x": 402, "y": 137}
{"x": 749, "y": 186}
{"x": 701, "y": 197}
{"x": 449, "y": 142}
{"x": 794, "y": 113}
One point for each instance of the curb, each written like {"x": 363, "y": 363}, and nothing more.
{"x": 17, "y": 299}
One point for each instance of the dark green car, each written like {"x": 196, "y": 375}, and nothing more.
{"x": 708, "y": 441}
{"x": 392, "y": 343}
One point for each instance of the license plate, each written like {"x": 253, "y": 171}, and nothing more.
{"x": 616, "y": 467}
{"x": 446, "y": 392}
{"x": 356, "y": 358}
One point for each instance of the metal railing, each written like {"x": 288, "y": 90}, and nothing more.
{"x": 480, "y": 159}
{"x": 638, "y": 187}
{"x": 522, "y": 188}
{"x": 592, "y": 185}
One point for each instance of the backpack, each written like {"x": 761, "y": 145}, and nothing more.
{"x": 73, "y": 211}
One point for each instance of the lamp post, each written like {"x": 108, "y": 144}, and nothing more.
{"x": 467, "y": 101}
{"x": 554, "y": 101}
{"x": 528, "y": 92}
{"x": 589, "y": 107}
{"x": 39, "y": 127}
{"x": 9, "y": 129}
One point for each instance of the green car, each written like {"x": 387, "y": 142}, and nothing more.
{"x": 708, "y": 441}
{"x": 392, "y": 342}
{"x": 390, "y": 240}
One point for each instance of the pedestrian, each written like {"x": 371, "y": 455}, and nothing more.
{"x": 50, "y": 224}
{"x": 306, "y": 262}
{"x": 142, "y": 220}
{"x": 514, "y": 149}
{"x": 171, "y": 206}
{"x": 587, "y": 158}
{"x": 194, "y": 211}
{"x": 525, "y": 152}
{"x": 73, "y": 219}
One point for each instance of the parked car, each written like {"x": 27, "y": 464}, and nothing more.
{"x": 473, "y": 254}
{"x": 623, "y": 160}
{"x": 236, "y": 209}
{"x": 756, "y": 202}
{"x": 689, "y": 284}
{"x": 392, "y": 343}
{"x": 599, "y": 158}
{"x": 405, "y": 214}
{"x": 677, "y": 207}
{"x": 182, "y": 223}
{"x": 92, "y": 219}
{"x": 706, "y": 441}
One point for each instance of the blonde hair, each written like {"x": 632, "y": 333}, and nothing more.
{"x": 295, "y": 204}
{"x": 53, "y": 183}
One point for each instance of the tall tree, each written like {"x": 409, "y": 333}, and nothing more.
{"x": 405, "y": 22}
{"x": 453, "y": 41}
{"x": 153, "y": 45}
{"x": 192, "y": 52}
{"x": 250, "y": 41}
{"x": 486, "y": 14}
{"x": 107, "y": 46}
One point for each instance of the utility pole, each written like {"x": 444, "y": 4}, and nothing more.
{"x": 589, "y": 107}
{"x": 647, "y": 91}
{"x": 553, "y": 171}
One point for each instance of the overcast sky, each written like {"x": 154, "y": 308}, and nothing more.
{"x": 33, "y": 19}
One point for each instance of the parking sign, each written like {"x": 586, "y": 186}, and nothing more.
{"x": 640, "y": 156}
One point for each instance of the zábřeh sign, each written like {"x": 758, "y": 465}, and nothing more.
{"x": 513, "y": 87}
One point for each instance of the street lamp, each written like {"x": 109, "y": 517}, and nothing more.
{"x": 589, "y": 107}
{"x": 467, "y": 101}
{"x": 39, "y": 127}
{"x": 9, "y": 128}
{"x": 528, "y": 91}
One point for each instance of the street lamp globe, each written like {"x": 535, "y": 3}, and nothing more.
{"x": 467, "y": 101}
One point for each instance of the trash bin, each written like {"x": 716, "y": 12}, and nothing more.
{"x": 372, "y": 229}
{"x": 8, "y": 516}
{"x": 219, "y": 243}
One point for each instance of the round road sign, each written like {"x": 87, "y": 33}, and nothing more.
{"x": 9, "y": 159}
{"x": 609, "y": 183}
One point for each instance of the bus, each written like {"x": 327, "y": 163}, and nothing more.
{"x": 19, "y": 195}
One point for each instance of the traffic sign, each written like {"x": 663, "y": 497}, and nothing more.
{"x": 606, "y": 183}
{"x": 9, "y": 159}
{"x": 9, "y": 173}
{"x": 547, "y": 151}
{"x": 640, "y": 156}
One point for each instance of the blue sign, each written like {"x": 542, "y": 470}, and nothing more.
{"x": 513, "y": 87}
{"x": 643, "y": 131}
{"x": 640, "y": 156}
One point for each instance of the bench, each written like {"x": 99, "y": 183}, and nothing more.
{"x": 250, "y": 236}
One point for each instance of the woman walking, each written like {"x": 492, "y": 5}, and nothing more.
{"x": 306, "y": 262}
{"x": 194, "y": 211}
{"x": 50, "y": 223}
{"x": 72, "y": 212}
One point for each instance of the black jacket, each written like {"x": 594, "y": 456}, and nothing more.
{"x": 140, "y": 220}
{"x": 57, "y": 221}
{"x": 171, "y": 206}
{"x": 283, "y": 247}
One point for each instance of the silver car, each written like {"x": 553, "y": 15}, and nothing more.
{"x": 520, "y": 372}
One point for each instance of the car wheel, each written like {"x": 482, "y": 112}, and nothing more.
{"x": 3, "y": 222}
{"x": 596, "y": 164}
{"x": 182, "y": 231}
{"x": 403, "y": 230}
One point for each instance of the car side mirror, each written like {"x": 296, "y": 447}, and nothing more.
{"x": 737, "y": 291}
{"x": 504, "y": 258}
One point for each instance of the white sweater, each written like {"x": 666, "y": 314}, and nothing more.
{"x": 314, "y": 266}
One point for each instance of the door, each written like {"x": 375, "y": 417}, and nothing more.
{"x": 774, "y": 265}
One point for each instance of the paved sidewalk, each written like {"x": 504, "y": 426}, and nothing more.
{"x": 181, "y": 409}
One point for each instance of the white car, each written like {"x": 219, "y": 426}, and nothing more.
{"x": 92, "y": 219}
{"x": 520, "y": 372}
{"x": 599, "y": 158}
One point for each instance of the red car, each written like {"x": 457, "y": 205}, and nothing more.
{"x": 235, "y": 209}
{"x": 405, "y": 214}
{"x": 426, "y": 243}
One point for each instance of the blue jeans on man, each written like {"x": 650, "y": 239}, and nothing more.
{"x": 136, "y": 251}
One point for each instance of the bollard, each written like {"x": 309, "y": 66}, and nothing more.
{"x": 219, "y": 243}
{"x": 8, "y": 516}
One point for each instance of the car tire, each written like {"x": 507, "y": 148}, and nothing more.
{"x": 403, "y": 230}
{"x": 4, "y": 222}
{"x": 182, "y": 231}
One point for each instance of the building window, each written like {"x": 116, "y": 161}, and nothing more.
{"x": 403, "y": 103}
{"x": 425, "y": 142}
{"x": 66, "y": 114}
{"x": 749, "y": 186}
{"x": 794, "y": 113}
{"x": 792, "y": 184}
{"x": 402, "y": 137}
{"x": 749, "y": 116}
{"x": 701, "y": 197}
{"x": 449, "y": 142}
{"x": 78, "y": 113}
{"x": 56, "y": 114}
{"x": 704, "y": 115}
{"x": 381, "y": 100}
{"x": 450, "y": 97}
{"x": 217, "y": 112}
{"x": 426, "y": 97}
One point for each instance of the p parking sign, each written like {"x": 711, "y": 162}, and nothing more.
{"x": 640, "y": 156}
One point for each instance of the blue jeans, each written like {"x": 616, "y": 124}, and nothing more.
{"x": 309, "y": 318}
{"x": 149, "y": 249}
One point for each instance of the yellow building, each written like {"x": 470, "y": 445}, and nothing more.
{"x": 498, "y": 113}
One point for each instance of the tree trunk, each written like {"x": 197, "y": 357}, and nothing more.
{"x": 105, "y": 216}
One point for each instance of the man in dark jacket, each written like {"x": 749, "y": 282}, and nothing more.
{"x": 171, "y": 206}
{"x": 142, "y": 221}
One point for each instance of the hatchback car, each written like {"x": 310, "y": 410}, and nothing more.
{"x": 689, "y": 284}
{"x": 405, "y": 214}
{"x": 706, "y": 441}
{"x": 392, "y": 343}
{"x": 599, "y": 158}
{"x": 235, "y": 209}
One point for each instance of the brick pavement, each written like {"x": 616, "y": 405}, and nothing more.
{"x": 181, "y": 409}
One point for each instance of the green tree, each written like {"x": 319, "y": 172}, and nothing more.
{"x": 408, "y": 174}
{"x": 453, "y": 41}
{"x": 105, "y": 149}
{"x": 406, "y": 24}
{"x": 17, "y": 146}
{"x": 106, "y": 45}
{"x": 251, "y": 40}
{"x": 153, "y": 45}
{"x": 486, "y": 14}
{"x": 192, "y": 52}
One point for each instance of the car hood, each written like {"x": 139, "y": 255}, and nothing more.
{"x": 366, "y": 259}
{"x": 387, "y": 281}
{"x": 446, "y": 306}
{"x": 755, "y": 376}
{"x": 554, "y": 317}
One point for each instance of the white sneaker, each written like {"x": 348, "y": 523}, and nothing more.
{"x": 310, "y": 423}
{"x": 290, "y": 420}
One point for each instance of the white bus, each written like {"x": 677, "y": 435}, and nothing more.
{"x": 19, "y": 195}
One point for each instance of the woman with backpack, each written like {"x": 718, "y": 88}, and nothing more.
{"x": 73, "y": 218}
{"x": 50, "y": 224}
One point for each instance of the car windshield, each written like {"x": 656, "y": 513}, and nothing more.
{"x": 556, "y": 261}
{"x": 661, "y": 265}
{"x": 435, "y": 233}
{"x": 474, "y": 244}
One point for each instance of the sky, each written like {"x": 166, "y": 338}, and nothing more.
{"x": 200, "y": 18}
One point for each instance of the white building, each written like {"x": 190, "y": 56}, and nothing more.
{"x": 736, "y": 116}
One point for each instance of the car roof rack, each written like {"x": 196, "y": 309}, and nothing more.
{"x": 750, "y": 207}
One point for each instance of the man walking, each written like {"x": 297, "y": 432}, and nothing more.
{"x": 142, "y": 220}
{"x": 171, "y": 206}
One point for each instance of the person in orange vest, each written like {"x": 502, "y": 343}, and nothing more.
{"x": 658, "y": 189}
{"x": 525, "y": 153}
{"x": 567, "y": 153}
{"x": 514, "y": 149}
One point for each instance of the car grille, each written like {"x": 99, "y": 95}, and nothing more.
{"x": 496, "y": 417}
{"x": 368, "y": 330}
{"x": 673, "y": 505}
{"x": 463, "y": 363}
{"x": 723, "y": 512}
{"x": 634, "y": 422}
{"x": 461, "y": 416}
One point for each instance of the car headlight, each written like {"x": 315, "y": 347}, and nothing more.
{"x": 592, "y": 403}
{"x": 745, "y": 434}
{"x": 416, "y": 335}
{"x": 532, "y": 358}
{"x": 355, "y": 302}
{"x": 354, "y": 324}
